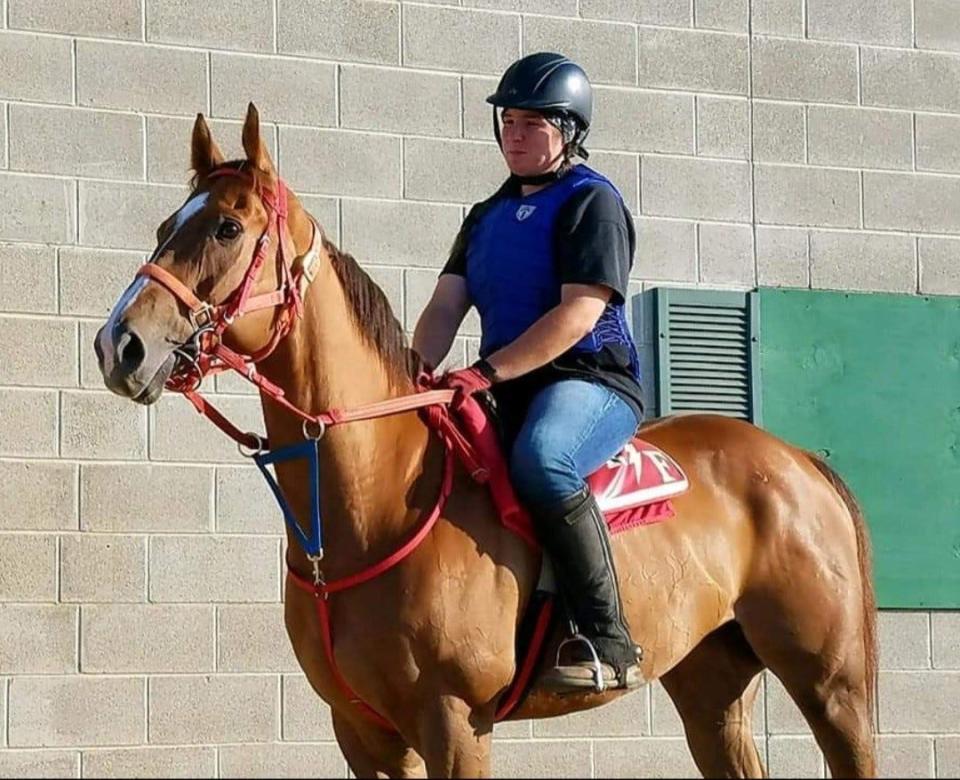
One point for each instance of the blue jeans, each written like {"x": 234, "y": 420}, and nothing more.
{"x": 571, "y": 428}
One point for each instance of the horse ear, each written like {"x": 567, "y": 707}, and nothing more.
{"x": 253, "y": 144}
{"x": 205, "y": 155}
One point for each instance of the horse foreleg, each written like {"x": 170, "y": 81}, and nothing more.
{"x": 455, "y": 738}
{"x": 376, "y": 753}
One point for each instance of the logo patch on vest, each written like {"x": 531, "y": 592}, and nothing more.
{"x": 525, "y": 211}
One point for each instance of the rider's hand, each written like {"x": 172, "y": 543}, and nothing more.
{"x": 467, "y": 381}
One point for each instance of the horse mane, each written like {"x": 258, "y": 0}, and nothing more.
{"x": 373, "y": 316}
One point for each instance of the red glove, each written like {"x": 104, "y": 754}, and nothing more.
{"x": 467, "y": 381}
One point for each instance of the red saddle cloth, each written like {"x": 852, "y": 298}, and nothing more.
{"x": 634, "y": 488}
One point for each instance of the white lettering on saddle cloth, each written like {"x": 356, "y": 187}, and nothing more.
{"x": 623, "y": 482}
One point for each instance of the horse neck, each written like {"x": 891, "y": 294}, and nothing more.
{"x": 367, "y": 467}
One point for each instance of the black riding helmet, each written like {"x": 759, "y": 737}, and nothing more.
{"x": 550, "y": 83}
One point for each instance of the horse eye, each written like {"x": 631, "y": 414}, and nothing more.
{"x": 229, "y": 230}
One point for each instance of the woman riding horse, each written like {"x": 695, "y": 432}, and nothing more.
{"x": 546, "y": 260}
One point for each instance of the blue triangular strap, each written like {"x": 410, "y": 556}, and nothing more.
{"x": 312, "y": 544}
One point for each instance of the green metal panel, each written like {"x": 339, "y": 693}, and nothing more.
{"x": 872, "y": 382}
{"x": 706, "y": 348}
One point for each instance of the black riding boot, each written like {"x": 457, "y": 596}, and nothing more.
{"x": 574, "y": 534}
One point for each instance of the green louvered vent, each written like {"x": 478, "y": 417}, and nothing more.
{"x": 706, "y": 353}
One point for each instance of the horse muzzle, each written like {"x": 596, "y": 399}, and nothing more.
{"x": 129, "y": 367}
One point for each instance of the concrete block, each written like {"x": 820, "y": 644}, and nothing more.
{"x": 135, "y": 77}
{"x": 624, "y": 171}
{"x": 306, "y": 717}
{"x": 937, "y": 148}
{"x": 168, "y": 145}
{"x": 904, "y": 640}
{"x": 919, "y": 702}
{"x": 178, "y": 433}
{"x": 661, "y": 757}
{"x": 946, "y": 640}
{"x": 120, "y": 19}
{"x": 390, "y": 281}
{"x": 862, "y": 261}
{"x": 723, "y": 127}
{"x": 789, "y": 195}
{"x": 777, "y": 17}
{"x": 729, "y": 15}
{"x": 694, "y": 60}
{"x": 910, "y": 79}
{"x": 281, "y": 760}
{"x": 783, "y": 716}
{"x": 556, "y": 758}
{"x": 203, "y": 709}
{"x": 398, "y": 233}
{"x": 782, "y": 258}
{"x": 76, "y": 142}
{"x": 459, "y": 39}
{"x": 28, "y": 422}
{"x": 295, "y": 91}
{"x": 336, "y": 162}
{"x": 605, "y": 50}
{"x": 92, "y": 280}
{"x": 666, "y": 250}
{"x": 399, "y": 101}
{"x": 695, "y": 188}
{"x": 794, "y": 757}
{"x": 244, "y": 503}
{"x": 102, "y": 425}
{"x": 44, "y": 71}
{"x": 146, "y": 497}
{"x": 887, "y": 22}
{"x": 253, "y": 638}
{"x": 915, "y": 202}
{"x": 200, "y": 569}
{"x": 183, "y": 22}
{"x": 675, "y": 13}
{"x": 859, "y": 137}
{"x": 726, "y": 255}
{"x": 38, "y": 352}
{"x": 29, "y": 572}
{"x": 52, "y": 215}
{"x": 419, "y": 286}
{"x": 451, "y": 171}
{"x": 27, "y": 267}
{"x": 38, "y": 639}
{"x": 642, "y": 121}
{"x": 131, "y": 638}
{"x": 125, "y": 216}
{"x": 39, "y": 763}
{"x": 349, "y": 30}
{"x": 939, "y": 274}
{"x": 804, "y": 70}
{"x": 779, "y": 132}
{"x": 326, "y": 212}
{"x": 83, "y": 710}
{"x": 159, "y": 762}
{"x": 477, "y": 112}
{"x": 38, "y": 496}
{"x": 628, "y": 716}
{"x": 948, "y": 756}
{"x": 937, "y": 24}
{"x": 103, "y": 568}
{"x": 905, "y": 756}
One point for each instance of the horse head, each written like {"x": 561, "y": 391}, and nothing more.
{"x": 200, "y": 284}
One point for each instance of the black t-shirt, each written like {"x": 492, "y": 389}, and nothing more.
{"x": 593, "y": 242}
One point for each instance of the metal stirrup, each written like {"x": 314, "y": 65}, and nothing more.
{"x": 598, "y": 682}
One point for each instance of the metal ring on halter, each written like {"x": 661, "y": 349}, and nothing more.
{"x": 321, "y": 429}
{"x": 261, "y": 446}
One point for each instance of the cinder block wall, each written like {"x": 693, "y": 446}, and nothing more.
{"x": 808, "y": 143}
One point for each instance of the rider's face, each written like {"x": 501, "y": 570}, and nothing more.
{"x": 531, "y": 144}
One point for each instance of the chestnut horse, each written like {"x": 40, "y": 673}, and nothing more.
{"x": 765, "y": 565}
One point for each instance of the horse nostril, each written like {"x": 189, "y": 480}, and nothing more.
{"x": 130, "y": 351}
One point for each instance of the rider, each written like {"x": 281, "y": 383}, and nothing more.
{"x": 546, "y": 260}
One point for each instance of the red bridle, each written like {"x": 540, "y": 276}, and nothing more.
{"x": 212, "y": 356}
